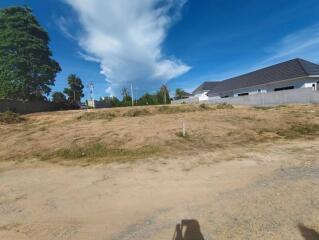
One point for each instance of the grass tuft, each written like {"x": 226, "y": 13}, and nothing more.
{"x": 204, "y": 106}
{"x": 300, "y": 130}
{"x": 9, "y": 117}
{"x": 97, "y": 115}
{"x": 176, "y": 109}
{"x": 99, "y": 152}
{"x": 137, "y": 112}
{"x": 224, "y": 106}
{"x": 180, "y": 135}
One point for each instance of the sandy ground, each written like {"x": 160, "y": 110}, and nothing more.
{"x": 264, "y": 196}
{"x": 236, "y": 183}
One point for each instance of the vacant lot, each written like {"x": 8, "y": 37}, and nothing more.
{"x": 242, "y": 173}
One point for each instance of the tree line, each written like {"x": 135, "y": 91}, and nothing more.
{"x": 160, "y": 97}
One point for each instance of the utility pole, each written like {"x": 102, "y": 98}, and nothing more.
{"x": 132, "y": 94}
{"x": 91, "y": 87}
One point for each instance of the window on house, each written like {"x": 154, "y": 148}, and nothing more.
{"x": 243, "y": 94}
{"x": 259, "y": 90}
{"x": 284, "y": 88}
{"x": 224, "y": 96}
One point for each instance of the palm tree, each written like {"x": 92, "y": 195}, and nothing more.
{"x": 179, "y": 93}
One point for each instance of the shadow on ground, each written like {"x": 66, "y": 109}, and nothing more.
{"x": 308, "y": 233}
{"x": 188, "y": 230}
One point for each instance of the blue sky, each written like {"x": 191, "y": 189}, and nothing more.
{"x": 179, "y": 42}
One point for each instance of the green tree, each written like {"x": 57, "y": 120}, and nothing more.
{"x": 27, "y": 69}
{"x": 59, "y": 98}
{"x": 112, "y": 102}
{"x": 163, "y": 95}
{"x": 75, "y": 90}
{"x": 180, "y": 93}
{"x": 147, "y": 99}
{"x": 127, "y": 99}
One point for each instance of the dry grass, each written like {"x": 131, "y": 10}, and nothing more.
{"x": 10, "y": 118}
{"x": 98, "y": 152}
{"x": 136, "y": 133}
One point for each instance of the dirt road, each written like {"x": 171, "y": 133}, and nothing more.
{"x": 269, "y": 194}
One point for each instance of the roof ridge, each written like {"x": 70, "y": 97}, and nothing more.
{"x": 301, "y": 65}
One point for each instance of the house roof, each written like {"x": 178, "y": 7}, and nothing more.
{"x": 205, "y": 86}
{"x": 283, "y": 71}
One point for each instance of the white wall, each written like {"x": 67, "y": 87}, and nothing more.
{"x": 202, "y": 96}
{"x": 270, "y": 87}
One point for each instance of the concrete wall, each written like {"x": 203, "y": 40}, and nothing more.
{"x": 295, "y": 96}
{"x": 186, "y": 100}
{"x": 28, "y": 107}
{"x": 269, "y": 87}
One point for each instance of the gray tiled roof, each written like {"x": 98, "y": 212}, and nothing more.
{"x": 205, "y": 86}
{"x": 283, "y": 71}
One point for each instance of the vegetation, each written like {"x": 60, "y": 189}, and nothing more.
{"x": 75, "y": 90}
{"x": 98, "y": 151}
{"x": 27, "y": 69}
{"x": 10, "y": 117}
{"x": 97, "y": 115}
{"x": 127, "y": 99}
{"x": 59, "y": 98}
{"x": 180, "y": 94}
{"x": 159, "y": 98}
{"x": 163, "y": 95}
{"x": 137, "y": 112}
{"x": 224, "y": 106}
{"x": 111, "y": 102}
{"x": 300, "y": 130}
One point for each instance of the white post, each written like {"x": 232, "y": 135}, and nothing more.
{"x": 184, "y": 129}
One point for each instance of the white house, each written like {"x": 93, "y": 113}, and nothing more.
{"x": 293, "y": 74}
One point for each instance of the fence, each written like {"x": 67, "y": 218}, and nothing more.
{"x": 294, "y": 96}
{"x": 28, "y": 107}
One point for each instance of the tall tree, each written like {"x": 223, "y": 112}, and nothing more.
{"x": 27, "y": 69}
{"x": 180, "y": 93}
{"x": 112, "y": 101}
{"x": 127, "y": 99}
{"x": 147, "y": 99}
{"x": 163, "y": 95}
{"x": 59, "y": 98}
{"x": 75, "y": 90}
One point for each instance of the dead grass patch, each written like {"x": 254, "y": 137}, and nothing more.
{"x": 97, "y": 115}
{"x": 137, "y": 113}
{"x": 9, "y": 117}
{"x": 300, "y": 130}
{"x": 224, "y": 106}
{"x": 101, "y": 153}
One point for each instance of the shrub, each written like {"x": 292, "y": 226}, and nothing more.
{"x": 136, "y": 113}
{"x": 204, "y": 106}
{"x": 224, "y": 106}
{"x": 97, "y": 115}
{"x": 300, "y": 130}
{"x": 9, "y": 117}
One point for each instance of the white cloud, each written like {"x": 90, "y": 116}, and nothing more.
{"x": 126, "y": 37}
{"x": 300, "y": 44}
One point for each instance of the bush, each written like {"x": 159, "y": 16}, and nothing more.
{"x": 97, "y": 115}
{"x": 300, "y": 130}
{"x": 9, "y": 117}
{"x": 224, "y": 106}
{"x": 136, "y": 113}
{"x": 204, "y": 106}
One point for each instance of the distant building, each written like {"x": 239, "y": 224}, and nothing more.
{"x": 293, "y": 74}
